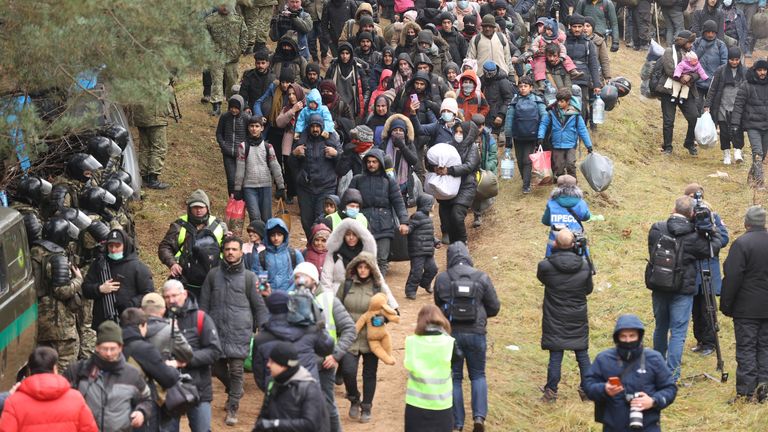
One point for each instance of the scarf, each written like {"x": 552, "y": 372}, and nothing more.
{"x": 401, "y": 169}
{"x": 347, "y": 253}
{"x": 729, "y": 79}
{"x": 277, "y": 104}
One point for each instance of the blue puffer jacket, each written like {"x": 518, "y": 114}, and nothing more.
{"x": 655, "y": 379}
{"x": 565, "y": 134}
{"x": 714, "y": 263}
{"x": 278, "y": 258}
{"x": 712, "y": 54}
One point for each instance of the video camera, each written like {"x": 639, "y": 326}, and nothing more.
{"x": 702, "y": 215}
{"x": 580, "y": 243}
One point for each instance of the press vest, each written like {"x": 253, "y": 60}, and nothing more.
{"x": 325, "y": 299}
{"x": 560, "y": 217}
{"x": 218, "y": 232}
{"x": 428, "y": 361}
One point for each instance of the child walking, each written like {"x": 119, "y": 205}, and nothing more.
{"x": 421, "y": 248}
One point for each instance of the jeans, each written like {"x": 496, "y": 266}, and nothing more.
{"x": 758, "y": 142}
{"x": 311, "y": 207}
{"x": 258, "y": 202}
{"x": 327, "y": 383}
{"x": 556, "y": 360}
{"x": 382, "y": 254}
{"x": 751, "y": 354}
{"x": 199, "y": 418}
{"x": 423, "y": 270}
{"x": 673, "y": 17}
{"x": 672, "y": 313}
{"x": 523, "y": 150}
{"x": 668, "y": 112}
{"x": 349, "y": 366}
{"x": 230, "y": 372}
{"x": 469, "y": 347}
{"x": 452, "y": 218}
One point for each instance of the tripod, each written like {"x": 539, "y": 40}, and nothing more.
{"x": 710, "y": 301}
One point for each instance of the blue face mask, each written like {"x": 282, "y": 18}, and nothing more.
{"x": 352, "y": 212}
{"x": 115, "y": 256}
{"x": 447, "y": 116}
{"x": 462, "y": 4}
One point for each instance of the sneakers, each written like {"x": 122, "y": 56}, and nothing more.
{"x": 354, "y": 411}
{"x": 666, "y": 150}
{"x": 727, "y": 157}
{"x": 549, "y": 395}
{"x": 365, "y": 414}
{"x": 231, "y": 419}
{"x": 697, "y": 348}
{"x": 673, "y": 99}
{"x": 737, "y": 156}
{"x": 705, "y": 351}
{"x": 479, "y": 425}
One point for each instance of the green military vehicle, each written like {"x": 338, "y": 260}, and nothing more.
{"x": 18, "y": 303}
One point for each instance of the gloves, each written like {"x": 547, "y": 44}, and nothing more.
{"x": 238, "y": 195}
{"x": 399, "y": 143}
{"x": 280, "y": 195}
{"x": 540, "y": 142}
{"x": 615, "y": 46}
{"x": 266, "y": 424}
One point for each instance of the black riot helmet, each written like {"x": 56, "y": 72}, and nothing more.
{"x": 77, "y": 217}
{"x": 33, "y": 190}
{"x": 95, "y": 199}
{"x": 622, "y": 85}
{"x": 124, "y": 176}
{"x": 119, "y": 189}
{"x": 81, "y": 165}
{"x": 610, "y": 95}
{"x": 118, "y": 134}
{"x": 33, "y": 226}
{"x": 60, "y": 231}
{"x": 103, "y": 149}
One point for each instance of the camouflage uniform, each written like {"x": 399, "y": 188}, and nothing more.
{"x": 230, "y": 38}
{"x": 152, "y": 122}
{"x": 57, "y": 306}
{"x": 257, "y": 14}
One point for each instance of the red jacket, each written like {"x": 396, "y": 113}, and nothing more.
{"x": 46, "y": 403}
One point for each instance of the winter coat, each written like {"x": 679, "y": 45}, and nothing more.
{"x": 352, "y": 29}
{"x": 712, "y": 54}
{"x": 293, "y": 59}
{"x": 232, "y": 130}
{"x": 46, "y": 402}
{"x": 112, "y": 396}
{"x": 460, "y": 264}
{"x": 584, "y": 55}
{"x": 435, "y": 132}
{"x": 510, "y": 121}
{"x": 356, "y": 85}
{"x": 713, "y": 264}
{"x": 253, "y": 85}
{"x": 159, "y": 335}
{"x": 489, "y": 151}
{"x": 745, "y": 285}
{"x": 558, "y": 212}
{"x": 314, "y": 171}
{"x": 669, "y": 65}
{"x": 310, "y": 342}
{"x": 751, "y": 108}
{"x": 302, "y": 120}
{"x": 566, "y": 132}
{"x": 297, "y": 403}
{"x": 421, "y": 237}
{"x": 381, "y": 197}
{"x": 498, "y": 92}
{"x": 655, "y": 379}
{"x": 335, "y": 14}
{"x": 206, "y": 347}
{"x": 695, "y": 247}
{"x": 475, "y": 102}
{"x": 134, "y": 277}
{"x": 457, "y": 45}
{"x": 470, "y": 163}
{"x": 719, "y": 81}
{"x": 604, "y": 14}
{"x": 567, "y": 280}
{"x": 404, "y": 155}
{"x": 602, "y": 55}
{"x": 148, "y": 357}
{"x": 236, "y": 307}
{"x": 345, "y": 327}
{"x": 334, "y": 270}
{"x": 497, "y": 48}
{"x": 278, "y": 258}
{"x": 699, "y": 17}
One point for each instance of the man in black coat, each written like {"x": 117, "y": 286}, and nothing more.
{"x": 117, "y": 280}
{"x": 584, "y": 54}
{"x": 457, "y": 45}
{"x": 567, "y": 279}
{"x": 498, "y": 91}
{"x": 744, "y": 298}
{"x": 291, "y": 402}
{"x": 749, "y": 114}
{"x": 200, "y": 331}
{"x": 257, "y": 80}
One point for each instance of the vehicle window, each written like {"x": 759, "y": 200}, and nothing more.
{"x": 15, "y": 257}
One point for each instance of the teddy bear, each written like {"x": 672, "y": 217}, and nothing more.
{"x": 378, "y": 338}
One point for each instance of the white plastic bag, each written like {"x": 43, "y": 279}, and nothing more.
{"x": 444, "y": 187}
{"x": 597, "y": 170}
{"x": 705, "y": 131}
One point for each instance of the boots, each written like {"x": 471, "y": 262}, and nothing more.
{"x": 478, "y": 425}
{"x": 151, "y": 181}
{"x": 365, "y": 414}
{"x": 216, "y": 109}
{"x": 575, "y": 74}
{"x": 727, "y": 157}
{"x": 737, "y": 156}
{"x": 354, "y": 410}
{"x": 549, "y": 395}
{"x": 231, "y": 419}
{"x": 478, "y": 220}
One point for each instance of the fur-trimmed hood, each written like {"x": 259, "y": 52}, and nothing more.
{"x": 337, "y": 237}
{"x": 370, "y": 259}
{"x": 404, "y": 32}
{"x": 408, "y": 133}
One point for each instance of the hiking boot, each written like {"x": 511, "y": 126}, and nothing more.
{"x": 727, "y": 157}
{"x": 479, "y": 425}
{"x": 549, "y": 395}
{"x": 216, "y": 109}
{"x": 231, "y": 419}
{"x": 478, "y": 221}
{"x": 153, "y": 182}
{"x": 365, "y": 413}
{"x": 576, "y": 74}
{"x": 354, "y": 410}
{"x": 692, "y": 151}
{"x": 737, "y": 156}
{"x": 205, "y": 99}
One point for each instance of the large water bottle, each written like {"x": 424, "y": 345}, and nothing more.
{"x": 507, "y": 165}
{"x": 549, "y": 93}
{"x": 598, "y": 111}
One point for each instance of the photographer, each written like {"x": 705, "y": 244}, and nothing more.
{"x": 567, "y": 279}
{"x": 675, "y": 247}
{"x": 629, "y": 384}
{"x": 292, "y": 18}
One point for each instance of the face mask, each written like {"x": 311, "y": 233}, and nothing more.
{"x": 727, "y": 3}
{"x": 490, "y": 74}
{"x": 115, "y": 256}
{"x": 352, "y": 212}
{"x": 409, "y": 38}
{"x": 467, "y": 88}
{"x": 458, "y": 137}
{"x": 447, "y": 116}
{"x": 629, "y": 351}
{"x": 462, "y": 4}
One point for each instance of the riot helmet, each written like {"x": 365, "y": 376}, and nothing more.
{"x": 33, "y": 190}
{"x": 98, "y": 230}
{"x": 32, "y": 225}
{"x": 77, "y": 217}
{"x": 118, "y": 134}
{"x": 60, "y": 231}
{"x": 95, "y": 199}
{"x": 610, "y": 95}
{"x": 103, "y": 149}
{"x": 81, "y": 165}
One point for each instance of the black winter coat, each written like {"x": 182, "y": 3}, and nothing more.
{"x": 254, "y": 85}
{"x": 584, "y": 54}
{"x": 297, "y": 403}
{"x": 715, "y": 92}
{"x": 750, "y": 111}
{"x": 567, "y": 281}
{"x": 457, "y": 45}
{"x": 148, "y": 357}
{"x": 745, "y": 285}
{"x": 314, "y": 171}
{"x": 695, "y": 247}
{"x": 421, "y": 238}
{"x": 231, "y": 131}
{"x": 205, "y": 344}
{"x": 381, "y": 196}
{"x": 498, "y": 92}
{"x": 470, "y": 162}
{"x": 699, "y": 17}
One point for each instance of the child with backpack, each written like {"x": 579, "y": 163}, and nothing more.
{"x": 521, "y": 127}
{"x": 567, "y": 126}
{"x": 278, "y": 259}
{"x": 421, "y": 248}
{"x": 550, "y": 35}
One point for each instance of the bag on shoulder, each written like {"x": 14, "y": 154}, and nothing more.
{"x": 182, "y": 396}
{"x": 527, "y": 118}
{"x": 664, "y": 271}
{"x": 204, "y": 255}
{"x": 462, "y": 305}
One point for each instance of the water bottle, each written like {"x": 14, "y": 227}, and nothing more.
{"x": 507, "y": 165}
{"x": 549, "y": 93}
{"x": 598, "y": 111}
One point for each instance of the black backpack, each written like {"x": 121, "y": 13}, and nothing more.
{"x": 664, "y": 271}
{"x": 263, "y": 258}
{"x": 463, "y": 303}
{"x": 204, "y": 254}
{"x": 527, "y": 117}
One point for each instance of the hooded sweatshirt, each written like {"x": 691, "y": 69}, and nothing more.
{"x": 302, "y": 121}
{"x": 278, "y": 258}
{"x": 232, "y": 129}
{"x": 475, "y": 102}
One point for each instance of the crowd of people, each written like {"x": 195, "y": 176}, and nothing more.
{"x": 356, "y": 121}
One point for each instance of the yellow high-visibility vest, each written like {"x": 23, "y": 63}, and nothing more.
{"x": 218, "y": 232}
{"x": 325, "y": 299}
{"x": 428, "y": 361}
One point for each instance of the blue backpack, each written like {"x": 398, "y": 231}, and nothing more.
{"x": 527, "y": 118}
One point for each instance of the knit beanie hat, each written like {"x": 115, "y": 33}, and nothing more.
{"x": 709, "y": 26}
{"x": 307, "y": 269}
{"x": 287, "y": 74}
{"x": 284, "y": 354}
{"x": 589, "y": 20}
{"x": 410, "y": 15}
{"x": 365, "y": 35}
{"x": 760, "y": 64}
{"x": 316, "y": 119}
{"x": 257, "y": 227}
{"x": 489, "y": 66}
{"x": 478, "y": 119}
{"x": 425, "y": 36}
{"x": 365, "y": 20}
{"x": 449, "y": 104}
{"x": 734, "y": 52}
{"x": 576, "y": 19}
{"x": 109, "y": 331}
{"x": 362, "y": 133}
{"x": 488, "y": 20}
{"x": 277, "y": 302}
{"x": 398, "y": 124}
{"x": 755, "y": 217}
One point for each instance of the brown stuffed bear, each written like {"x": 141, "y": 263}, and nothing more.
{"x": 378, "y": 337}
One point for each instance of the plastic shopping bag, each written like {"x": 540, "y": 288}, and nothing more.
{"x": 705, "y": 131}
{"x": 542, "y": 167}
{"x": 444, "y": 187}
{"x": 235, "y": 213}
{"x": 597, "y": 170}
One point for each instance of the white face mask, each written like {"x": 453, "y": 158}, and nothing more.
{"x": 447, "y": 116}
{"x": 727, "y": 3}
{"x": 458, "y": 137}
{"x": 467, "y": 88}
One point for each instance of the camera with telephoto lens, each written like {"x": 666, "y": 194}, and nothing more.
{"x": 579, "y": 243}
{"x": 702, "y": 216}
{"x": 635, "y": 414}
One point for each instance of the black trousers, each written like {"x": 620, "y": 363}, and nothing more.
{"x": 751, "y": 354}
{"x": 702, "y": 329}
{"x": 727, "y": 138}
{"x": 311, "y": 207}
{"x": 423, "y": 270}
{"x": 230, "y": 165}
{"x": 668, "y": 112}
{"x": 207, "y": 83}
{"x": 523, "y": 151}
{"x": 452, "y": 221}
{"x": 349, "y": 364}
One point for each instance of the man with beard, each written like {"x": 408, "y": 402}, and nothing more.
{"x": 351, "y": 81}
{"x": 256, "y": 81}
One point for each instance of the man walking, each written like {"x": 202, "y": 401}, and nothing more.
{"x": 229, "y": 35}
{"x": 152, "y": 122}
{"x": 749, "y": 114}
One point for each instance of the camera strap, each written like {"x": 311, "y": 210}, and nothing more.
{"x": 578, "y": 219}
{"x": 628, "y": 368}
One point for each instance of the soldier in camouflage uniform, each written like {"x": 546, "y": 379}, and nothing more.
{"x": 230, "y": 38}
{"x": 256, "y": 14}
{"x": 31, "y": 196}
{"x": 152, "y": 122}
{"x": 58, "y": 283}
